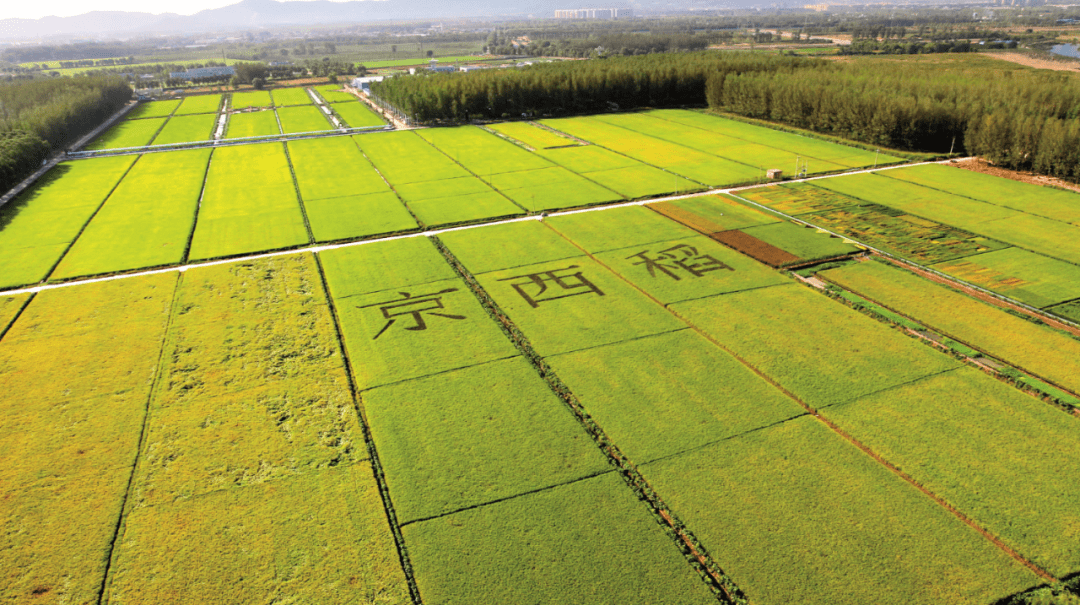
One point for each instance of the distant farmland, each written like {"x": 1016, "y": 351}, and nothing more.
{"x": 531, "y": 362}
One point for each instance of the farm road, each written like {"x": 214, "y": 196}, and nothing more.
{"x": 322, "y": 247}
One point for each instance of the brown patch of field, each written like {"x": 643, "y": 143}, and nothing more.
{"x": 981, "y": 165}
{"x": 755, "y": 248}
{"x": 690, "y": 219}
{"x": 1036, "y": 62}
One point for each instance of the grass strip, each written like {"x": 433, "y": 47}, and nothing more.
{"x": 128, "y": 133}
{"x": 1038, "y": 349}
{"x": 823, "y": 353}
{"x": 992, "y": 452}
{"x": 187, "y": 129}
{"x": 794, "y": 513}
{"x": 141, "y": 224}
{"x": 77, "y": 366}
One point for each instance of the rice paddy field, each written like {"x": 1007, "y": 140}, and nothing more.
{"x": 1010, "y": 238}
{"x": 483, "y": 365}
{"x": 250, "y": 114}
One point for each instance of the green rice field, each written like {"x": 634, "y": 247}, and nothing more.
{"x": 357, "y": 115}
{"x": 187, "y": 129}
{"x": 154, "y": 109}
{"x": 334, "y": 93}
{"x": 481, "y": 365}
{"x": 1036, "y": 348}
{"x": 199, "y": 104}
{"x": 283, "y": 97}
{"x": 252, "y": 124}
{"x": 305, "y": 118}
{"x": 254, "y": 98}
{"x": 128, "y": 133}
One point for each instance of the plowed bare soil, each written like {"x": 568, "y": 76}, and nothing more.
{"x": 755, "y": 248}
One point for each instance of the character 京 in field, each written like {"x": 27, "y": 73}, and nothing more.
{"x": 415, "y": 307}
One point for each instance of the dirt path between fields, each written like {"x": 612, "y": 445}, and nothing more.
{"x": 986, "y": 298}
{"x": 981, "y": 165}
{"x": 385, "y": 114}
{"x": 1037, "y": 63}
{"x": 321, "y": 247}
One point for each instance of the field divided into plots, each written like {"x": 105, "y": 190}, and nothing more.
{"x": 1016, "y": 239}
{"x": 556, "y": 303}
{"x": 702, "y": 168}
{"x": 252, "y": 124}
{"x": 343, "y": 196}
{"x": 436, "y": 188}
{"x": 141, "y": 223}
{"x": 310, "y": 421}
{"x": 1019, "y": 342}
{"x": 245, "y": 186}
{"x": 41, "y": 223}
{"x": 200, "y": 104}
{"x": 189, "y": 120}
{"x": 405, "y": 181}
{"x": 436, "y": 177}
{"x": 128, "y": 133}
{"x": 251, "y": 114}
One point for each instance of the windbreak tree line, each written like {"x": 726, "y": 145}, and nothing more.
{"x": 569, "y": 87}
{"x": 1020, "y": 119}
{"x": 37, "y": 116}
{"x": 1017, "y": 118}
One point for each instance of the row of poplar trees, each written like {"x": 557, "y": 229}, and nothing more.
{"x": 39, "y": 116}
{"x": 1018, "y": 118}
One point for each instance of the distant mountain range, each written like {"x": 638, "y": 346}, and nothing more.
{"x": 255, "y": 14}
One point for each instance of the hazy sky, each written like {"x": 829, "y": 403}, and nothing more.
{"x": 67, "y": 8}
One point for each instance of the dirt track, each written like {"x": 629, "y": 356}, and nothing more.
{"x": 981, "y": 165}
{"x": 1023, "y": 59}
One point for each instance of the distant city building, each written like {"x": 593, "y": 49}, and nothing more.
{"x": 434, "y": 66}
{"x": 204, "y": 72}
{"x": 595, "y": 13}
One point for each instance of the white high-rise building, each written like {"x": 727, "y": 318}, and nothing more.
{"x": 595, "y": 13}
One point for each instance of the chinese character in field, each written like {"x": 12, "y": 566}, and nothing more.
{"x": 534, "y": 286}
{"x": 682, "y": 257}
{"x": 413, "y": 306}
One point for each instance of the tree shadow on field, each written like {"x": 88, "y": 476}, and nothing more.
{"x": 1065, "y": 592}
{"x": 21, "y": 203}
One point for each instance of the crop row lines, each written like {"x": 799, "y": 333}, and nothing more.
{"x": 944, "y": 347}
{"x": 319, "y": 247}
{"x": 125, "y": 508}
{"x": 834, "y": 427}
{"x": 893, "y": 258}
{"x": 688, "y": 544}
{"x": 365, "y": 427}
{"x": 671, "y": 172}
{"x": 198, "y": 207}
{"x": 466, "y": 169}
